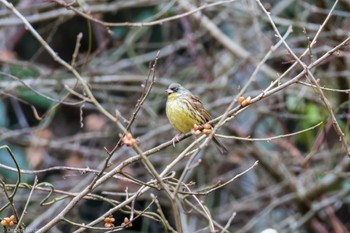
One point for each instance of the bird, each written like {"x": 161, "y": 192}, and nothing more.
{"x": 185, "y": 110}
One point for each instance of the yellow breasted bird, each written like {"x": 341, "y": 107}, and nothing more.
{"x": 184, "y": 110}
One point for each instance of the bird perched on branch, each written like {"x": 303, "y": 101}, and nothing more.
{"x": 185, "y": 111}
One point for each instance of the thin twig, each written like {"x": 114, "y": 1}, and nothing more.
{"x": 19, "y": 223}
{"x": 269, "y": 138}
{"x": 142, "y": 24}
{"x": 306, "y": 68}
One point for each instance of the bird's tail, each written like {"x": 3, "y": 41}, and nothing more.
{"x": 220, "y": 146}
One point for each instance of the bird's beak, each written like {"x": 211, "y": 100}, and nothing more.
{"x": 169, "y": 91}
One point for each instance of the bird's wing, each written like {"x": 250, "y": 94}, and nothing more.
{"x": 197, "y": 104}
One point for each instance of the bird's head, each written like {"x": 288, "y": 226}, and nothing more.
{"x": 175, "y": 90}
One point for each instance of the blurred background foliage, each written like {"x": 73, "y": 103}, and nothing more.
{"x": 46, "y": 127}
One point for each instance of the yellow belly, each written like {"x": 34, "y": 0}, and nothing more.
{"x": 179, "y": 117}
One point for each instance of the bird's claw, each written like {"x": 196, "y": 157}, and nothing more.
{"x": 176, "y": 138}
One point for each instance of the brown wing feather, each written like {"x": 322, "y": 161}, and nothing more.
{"x": 198, "y": 106}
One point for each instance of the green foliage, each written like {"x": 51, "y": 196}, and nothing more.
{"x": 23, "y": 72}
{"x": 313, "y": 115}
{"x": 11, "y": 176}
{"x": 4, "y": 121}
{"x": 310, "y": 114}
{"x": 33, "y": 98}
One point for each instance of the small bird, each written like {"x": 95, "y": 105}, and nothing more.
{"x": 184, "y": 110}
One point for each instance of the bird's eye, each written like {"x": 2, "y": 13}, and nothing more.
{"x": 175, "y": 89}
